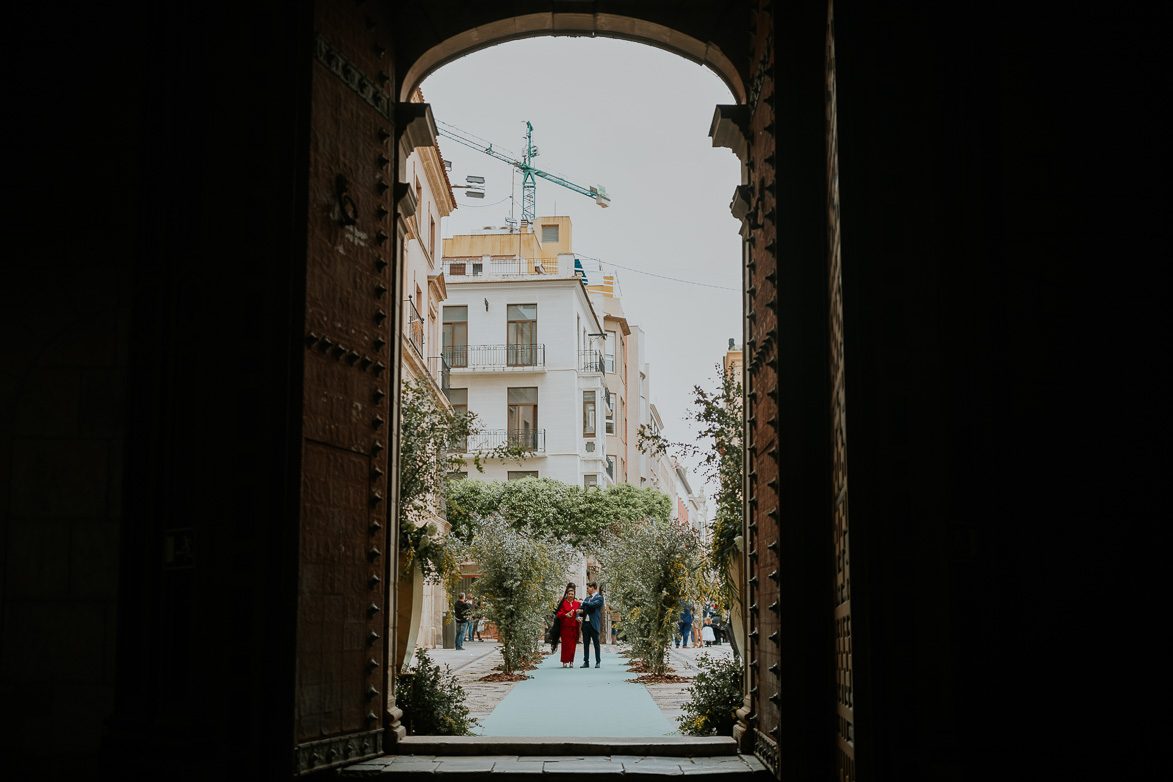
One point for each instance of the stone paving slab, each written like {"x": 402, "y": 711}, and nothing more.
{"x": 593, "y": 766}
{"x": 504, "y": 767}
{"x": 481, "y": 765}
{"x": 519, "y": 766}
{"x": 653, "y": 767}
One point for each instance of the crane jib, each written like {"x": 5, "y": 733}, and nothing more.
{"x": 529, "y": 194}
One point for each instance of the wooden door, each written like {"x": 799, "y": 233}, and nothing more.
{"x": 345, "y": 706}
{"x": 784, "y": 135}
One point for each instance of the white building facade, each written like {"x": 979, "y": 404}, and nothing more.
{"x": 525, "y": 355}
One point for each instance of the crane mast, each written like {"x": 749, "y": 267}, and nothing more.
{"x": 529, "y": 172}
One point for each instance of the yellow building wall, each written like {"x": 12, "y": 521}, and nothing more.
{"x": 526, "y": 245}
{"x": 565, "y": 242}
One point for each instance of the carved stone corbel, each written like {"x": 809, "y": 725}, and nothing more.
{"x": 414, "y": 127}
{"x": 405, "y": 204}
{"x": 740, "y": 206}
{"x": 730, "y": 128}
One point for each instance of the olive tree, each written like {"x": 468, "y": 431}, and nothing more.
{"x": 649, "y": 573}
{"x": 520, "y": 578}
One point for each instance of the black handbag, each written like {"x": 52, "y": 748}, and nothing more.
{"x": 554, "y": 633}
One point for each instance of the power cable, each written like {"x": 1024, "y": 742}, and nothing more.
{"x": 482, "y": 206}
{"x": 661, "y": 276}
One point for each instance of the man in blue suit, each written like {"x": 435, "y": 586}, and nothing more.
{"x": 592, "y": 620}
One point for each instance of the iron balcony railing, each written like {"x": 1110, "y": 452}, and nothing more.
{"x": 590, "y": 361}
{"x": 465, "y": 356}
{"x": 499, "y": 267}
{"x": 529, "y": 439}
{"x": 415, "y": 326}
{"x": 441, "y": 372}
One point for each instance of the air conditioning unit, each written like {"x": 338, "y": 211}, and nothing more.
{"x": 590, "y": 446}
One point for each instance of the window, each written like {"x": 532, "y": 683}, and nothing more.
{"x": 517, "y": 475}
{"x": 458, "y": 397}
{"x": 522, "y": 335}
{"x": 611, "y": 466}
{"x": 588, "y": 413}
{"x": 590, "y": 481}
{"x": 549, "y": 233}
{"x": 455, "y": 336}
{"x": 431, "y": 233}
{"x": 523, "y": 417}
{"x": 610, "y": 421}
{"x": 609, "y": 347}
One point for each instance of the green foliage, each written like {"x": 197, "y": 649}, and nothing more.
{"x": 521, "y": 575}
{"x": 553, "y": 509}
{"x": 722, "y": 461}
{"x": 428, "y": 429}
{"x": 714, "y": 697}
{"x": 433, "y": 701}
{"x": 522, "y": 533}
{"x": 428, "y": 426}
{"x": 649, "y": 572}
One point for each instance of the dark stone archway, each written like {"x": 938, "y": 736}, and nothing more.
{"x": 997, "y": 190}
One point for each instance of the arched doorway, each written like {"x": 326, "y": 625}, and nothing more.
{"x": 366, "y": 55}
{"x": 998, "y": 313}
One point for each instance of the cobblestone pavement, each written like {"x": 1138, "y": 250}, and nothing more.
{"x": 479, "y": 658}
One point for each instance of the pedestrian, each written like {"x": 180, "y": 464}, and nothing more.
{"x": 614, "y": 628}
{"x": 462, "y": 610}
{"x": 591, "y": 612}
{"x": 696, "y": 635}
{"x": 684, "y": 629}
{"x": 707, "y": 631}
{"x": 718, "y": 628}
{"x": 566, "y": 615}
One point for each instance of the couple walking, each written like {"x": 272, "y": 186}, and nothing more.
{"x": 569, "y": 616}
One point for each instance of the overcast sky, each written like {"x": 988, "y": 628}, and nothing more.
{"x": 634, "y": 119}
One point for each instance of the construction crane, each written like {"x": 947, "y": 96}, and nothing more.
{"x": 527, "y": 168}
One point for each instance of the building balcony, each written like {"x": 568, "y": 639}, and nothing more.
{"x": 591, "y": 361}
{"x": 530, "y": 440}
{"x": 462, "y": 269}
{"x": 496, "y": 357}
{"x": 441, "y": 372}
{"x": 415, "y": 327}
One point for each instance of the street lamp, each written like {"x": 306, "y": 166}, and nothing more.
{"x": 475, "y": 186}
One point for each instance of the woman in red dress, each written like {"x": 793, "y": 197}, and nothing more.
{"x": 567, "y": 616}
